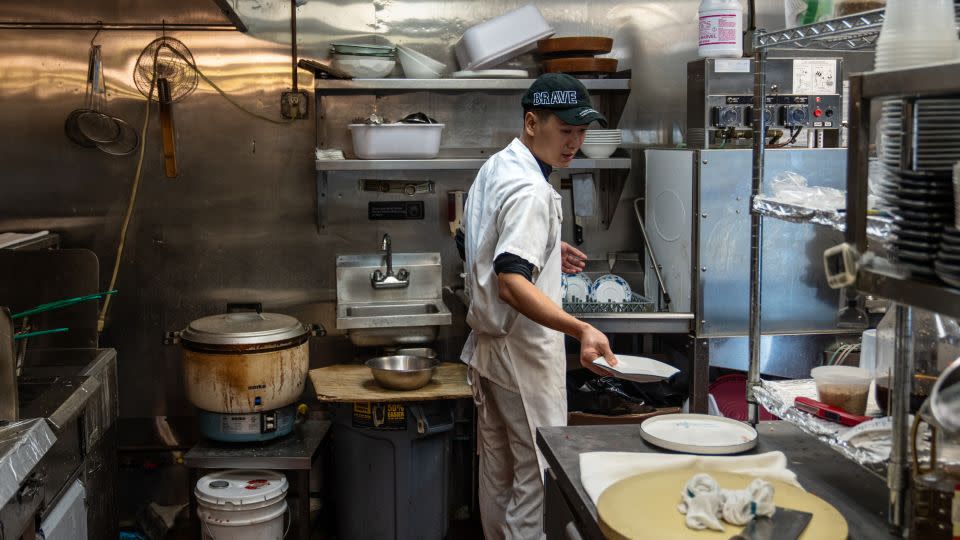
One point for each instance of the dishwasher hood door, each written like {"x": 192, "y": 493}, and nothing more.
{"x": 121, "y": 14}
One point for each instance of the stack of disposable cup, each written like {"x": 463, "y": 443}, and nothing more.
{"x": 917, "y": 32}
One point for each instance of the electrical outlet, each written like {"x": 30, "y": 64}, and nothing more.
{"x": 294, "y": 105}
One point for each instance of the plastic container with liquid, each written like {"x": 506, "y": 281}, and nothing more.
{"x": 721, "y": 29}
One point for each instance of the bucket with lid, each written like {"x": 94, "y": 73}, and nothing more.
{"x": 242, "y": 505}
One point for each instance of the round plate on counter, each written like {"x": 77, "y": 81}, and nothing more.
{"x": 699, "y": 434}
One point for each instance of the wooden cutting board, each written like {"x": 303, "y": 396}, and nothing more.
{"x": 352, "y": 383}
{"x": 574, "y": 46}
{"x": 580, "y": 65}
{"x": 645, "y": 506}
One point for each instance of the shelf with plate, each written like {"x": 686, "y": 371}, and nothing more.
{"x": 610, "y": 98}
{"x": 638, "y": 316}
{"x": 454, "y": 164}
{"x": 875, "y": 275}
{"x": 401, "y": 86}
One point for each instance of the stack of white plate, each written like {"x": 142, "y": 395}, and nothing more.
{"x": 601, "y": 143}
{"x": 916, "y": 184}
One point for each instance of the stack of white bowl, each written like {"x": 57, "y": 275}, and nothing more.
{"x": 364, "y": 60}
{"x": 917, "y": 32}
{"x": 601, "y": 143}
{"x": 417, "y": 65}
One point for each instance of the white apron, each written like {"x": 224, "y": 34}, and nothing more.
{"x": 511, "y": 208}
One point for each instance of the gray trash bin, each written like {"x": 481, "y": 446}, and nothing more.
{"x": 391, "y": 468}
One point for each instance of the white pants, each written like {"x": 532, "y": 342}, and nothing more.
{"x": 511, "y": 487}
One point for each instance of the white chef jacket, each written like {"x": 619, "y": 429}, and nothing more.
{"x": 510, "y": 208}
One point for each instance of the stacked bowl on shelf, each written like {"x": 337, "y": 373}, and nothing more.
{"x": 364, "y": 61}
{"x": 417, "y": 65}
{"x": 601, "y": 143}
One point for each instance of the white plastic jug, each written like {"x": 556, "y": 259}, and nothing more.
{"x": 721, "y": 29}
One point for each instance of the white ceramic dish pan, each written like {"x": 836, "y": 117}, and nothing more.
{"x": 492, "y": 42}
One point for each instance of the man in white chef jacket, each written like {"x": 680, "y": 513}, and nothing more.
{"x": 513, "y": 261}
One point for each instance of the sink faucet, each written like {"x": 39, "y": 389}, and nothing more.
{"x": 379, "y": 280}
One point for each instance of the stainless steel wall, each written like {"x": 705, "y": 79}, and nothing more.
{"x": 238, "y": 225}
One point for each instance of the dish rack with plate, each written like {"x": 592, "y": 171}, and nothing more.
{"x": 637, "y": 304}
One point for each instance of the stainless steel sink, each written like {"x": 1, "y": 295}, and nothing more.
{"x": 390, "y": 317}
{"x": 387, "y": 310}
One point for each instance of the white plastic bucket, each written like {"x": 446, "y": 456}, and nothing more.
{"x": 242, "y": 505}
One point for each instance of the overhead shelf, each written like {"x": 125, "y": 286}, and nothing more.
{"x": 881, "y": 278}
{"x": 850, "y": 33}
{"x": 878, "y": 227}
{"x": 385, "y": 86}
{"x": 927, "y": 81}
{"x": 450, "y": 164}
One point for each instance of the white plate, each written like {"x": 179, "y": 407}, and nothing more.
{"x": 610, "y": 288}
{"x": 638, "y": 368}
{"x": 491, "y": 74}
{"x": 698, "y": 434}
{"x": 576, "y": 288}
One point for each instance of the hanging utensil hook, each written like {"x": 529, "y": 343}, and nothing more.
{"x": 97, "y": 33}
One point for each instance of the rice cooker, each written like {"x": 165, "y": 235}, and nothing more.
{"x": 245, "y": 370}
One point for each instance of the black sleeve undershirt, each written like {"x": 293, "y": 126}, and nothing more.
{"x": 508, "y": 263}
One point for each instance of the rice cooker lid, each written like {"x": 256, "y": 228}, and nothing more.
{"x": 240, "y": 487}
{"x": 244, "y": 328}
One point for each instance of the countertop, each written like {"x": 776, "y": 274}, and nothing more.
{"x": 350, "y": 383}
{"x": 860, "y": 496}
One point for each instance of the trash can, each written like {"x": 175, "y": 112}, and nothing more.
{"x": 391, "y": 469}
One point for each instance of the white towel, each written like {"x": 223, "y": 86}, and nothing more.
{"x": 600, "y": 470}
{"x": 701, "y": 512}
{"x": 741, "y": 505}
{"x": 700, "y": 502}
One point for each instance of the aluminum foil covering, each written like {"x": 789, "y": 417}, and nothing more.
{"x": 878, "y": 228}
{"x": 868, "y": 443}
{"x": 22, "y": 445}
{"x": 778, "y": 396}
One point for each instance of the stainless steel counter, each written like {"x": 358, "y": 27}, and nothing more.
{"x": 71, "y": 393}
{"x": 23, "y": 446}
{"x": 858, "y": 495}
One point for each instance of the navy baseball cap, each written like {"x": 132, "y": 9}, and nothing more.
{"x": 565, "y": 97}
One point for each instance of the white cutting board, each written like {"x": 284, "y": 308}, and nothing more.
{"x": 637, "y": 368}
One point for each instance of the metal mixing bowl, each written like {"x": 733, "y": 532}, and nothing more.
{"x": 402, "y": 372}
